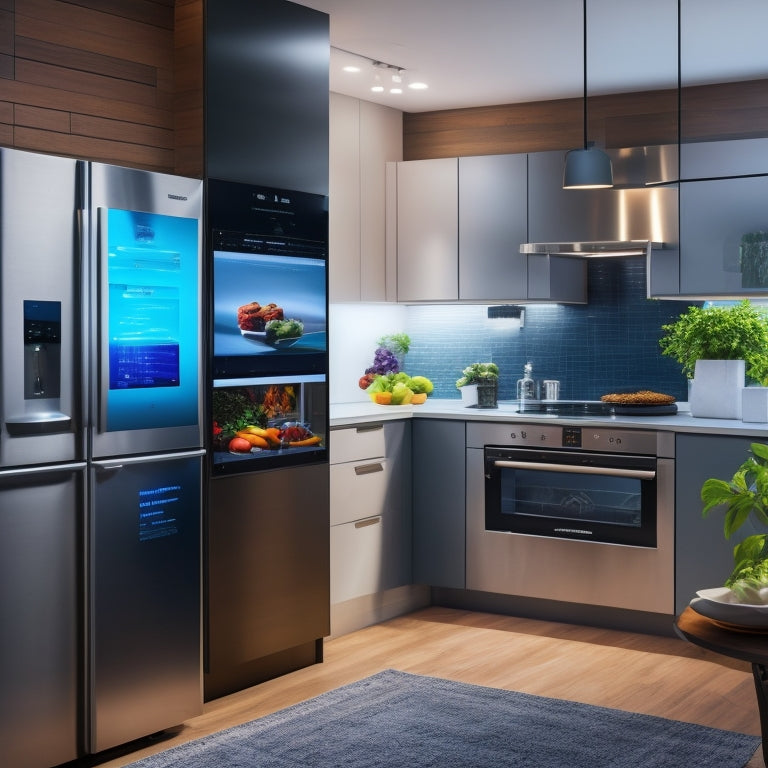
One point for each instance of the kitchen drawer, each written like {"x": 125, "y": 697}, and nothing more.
{"x": 356, "y": 554}
{"x": 357, "y": 443}
{"x": 358, "y": 489}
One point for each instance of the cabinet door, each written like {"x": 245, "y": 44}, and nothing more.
{"x": 427, "y": 230}
{"x": 722, "y": 250}
{"x": 493, "y": 212}
{"x": 439, "y": 529}
{"x": 703, "y": 556}
{"x": 381, "y": 141}
{"x": 344, "y": 199}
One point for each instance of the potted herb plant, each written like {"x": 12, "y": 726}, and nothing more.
{"x": 716, "y": 347}
{"x": 479, "y": 385}
{"x": 744, "y": 496}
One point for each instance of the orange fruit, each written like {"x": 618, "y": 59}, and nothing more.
{"x": 419, "y": 398}
{"x": 383, "y": 398}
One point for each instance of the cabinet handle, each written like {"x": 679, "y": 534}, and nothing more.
{"x": 369, "y": 469}
{"x": 369, "y": 428}
{"x": 366, "y": 523}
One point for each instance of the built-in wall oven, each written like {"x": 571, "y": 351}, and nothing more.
{"x": 572, "y": 513}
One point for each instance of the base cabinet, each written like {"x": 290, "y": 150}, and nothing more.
{"x": 439, "y": 528}
{"x": 370, "y": 509}
{"x": 703, "y": 556}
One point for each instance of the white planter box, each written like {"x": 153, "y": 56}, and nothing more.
{"x": 754, "y": 404}
{"x": 469, "y": 395}
{"x": 716, "y": 392}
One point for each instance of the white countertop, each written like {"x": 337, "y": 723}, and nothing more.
{"x": 346, "y": 414}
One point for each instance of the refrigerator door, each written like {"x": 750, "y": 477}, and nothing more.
{"x": 145, "y": 645}
{"x": 41, "y": 615}
{"x": 40, "y": 296}
{"x": 145, "y": 236}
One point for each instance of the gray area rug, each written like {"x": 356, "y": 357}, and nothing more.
{"x": 400, "y": 719}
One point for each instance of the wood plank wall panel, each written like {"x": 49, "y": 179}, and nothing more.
{"x": 188, "y": 100}
{"x": 712, "y": 112}
{"x": 91, "y": 79}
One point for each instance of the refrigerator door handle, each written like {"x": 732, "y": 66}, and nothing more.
{"x": 154, "y": 458}
{"x": 41, "y": 470}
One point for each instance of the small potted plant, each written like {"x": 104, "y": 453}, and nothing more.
{"x": 716, "y": 347}
{"x": 744, "y": 496}
{"x": 479, "y": 385}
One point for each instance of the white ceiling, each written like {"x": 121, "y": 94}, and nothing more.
{"x": 483, "y": 52}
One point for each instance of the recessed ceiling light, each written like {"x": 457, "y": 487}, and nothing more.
{"x": 377, "y": 88}
{"x": 351, "y": 68}
{"x": 395, "y": 90}
{"x": 418, "y": 86}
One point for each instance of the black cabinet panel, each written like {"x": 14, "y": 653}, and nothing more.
{"x": 266, "y": 94}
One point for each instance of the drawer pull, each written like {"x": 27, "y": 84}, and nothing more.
{"x": 369, "y": 469}
{"x": 366, "y": 523}
{"x": 369, "y": 428}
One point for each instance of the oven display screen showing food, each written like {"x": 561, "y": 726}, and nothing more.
{"x": 267, "y": 307}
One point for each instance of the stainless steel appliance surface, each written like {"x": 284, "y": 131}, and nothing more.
{"x": 574, "y": 514}
{"x": 144, "y": 242}
{"x": 100, "y": 456}
{"x": 42, "y": 462}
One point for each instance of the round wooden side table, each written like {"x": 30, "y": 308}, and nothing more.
{"x": 746, "y": 646}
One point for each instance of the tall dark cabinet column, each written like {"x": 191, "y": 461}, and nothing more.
{"x": 266, "y": 94}
{"x": 267, "y": 568}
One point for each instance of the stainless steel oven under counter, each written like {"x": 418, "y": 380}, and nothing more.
{"x": 574, "y": 514}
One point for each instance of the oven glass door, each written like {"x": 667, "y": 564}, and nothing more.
{"x": 571, "y": 495}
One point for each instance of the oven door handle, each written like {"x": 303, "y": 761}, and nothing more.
{"x": 635, "y": 474}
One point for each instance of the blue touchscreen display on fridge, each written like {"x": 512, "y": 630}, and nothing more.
{"x": 152, "y": 354}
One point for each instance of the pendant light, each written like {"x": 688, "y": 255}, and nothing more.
{"x": 590, "y": 167}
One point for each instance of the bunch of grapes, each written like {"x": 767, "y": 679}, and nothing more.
{"x": 384, "y": 361}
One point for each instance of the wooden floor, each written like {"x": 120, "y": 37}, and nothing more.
{"x": 639, "y": 673}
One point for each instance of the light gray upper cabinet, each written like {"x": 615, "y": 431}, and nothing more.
{"x": 492, "y": 224}
{"x": 723, "y": 241}
{"x": 460, "y": 223}
{"x": 428, "y": 230}
{"x": 363, "y": 137}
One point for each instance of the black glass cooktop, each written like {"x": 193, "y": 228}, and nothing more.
{"x": 591, "y": 408}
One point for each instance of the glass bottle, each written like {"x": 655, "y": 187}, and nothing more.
{"x": 526, "y": 387}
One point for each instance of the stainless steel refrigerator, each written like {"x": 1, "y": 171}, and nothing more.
{"x": 100, "y": 456}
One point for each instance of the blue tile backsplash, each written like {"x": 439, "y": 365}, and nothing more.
{"x": 610, "y": 344}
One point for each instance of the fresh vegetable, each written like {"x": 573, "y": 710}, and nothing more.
{"x": 234, "y": 410}
{"x": 399, "y": 343}
{"x": 239, "y": 445}
{"x": 294, "y": 433}
{"x": 314, "y": 440}
{"x": 402, "y": 387}
{"x": 421, "y": 384}
{"x": 384, "y": 361}
{"x": 278, "y": 330}
{"x": 366, "y": 380}
{"x": 256, "y": 441}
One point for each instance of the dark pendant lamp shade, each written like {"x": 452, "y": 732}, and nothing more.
{"x": 590, "y": 167}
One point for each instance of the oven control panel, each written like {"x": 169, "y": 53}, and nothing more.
{"x": 594, "y": 438}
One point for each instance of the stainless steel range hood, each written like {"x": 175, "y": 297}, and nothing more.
{"x": 601, "y": 248}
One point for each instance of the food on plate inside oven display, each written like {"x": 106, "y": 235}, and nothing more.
{"x": 255, "y": 316}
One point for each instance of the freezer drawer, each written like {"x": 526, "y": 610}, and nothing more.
{"x": 145, "y": 646}
{"x": 41, "y": 525}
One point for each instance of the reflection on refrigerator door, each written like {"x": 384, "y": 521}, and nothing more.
{"x": 145, "y": 596}
{"x": 41, "y": 614}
